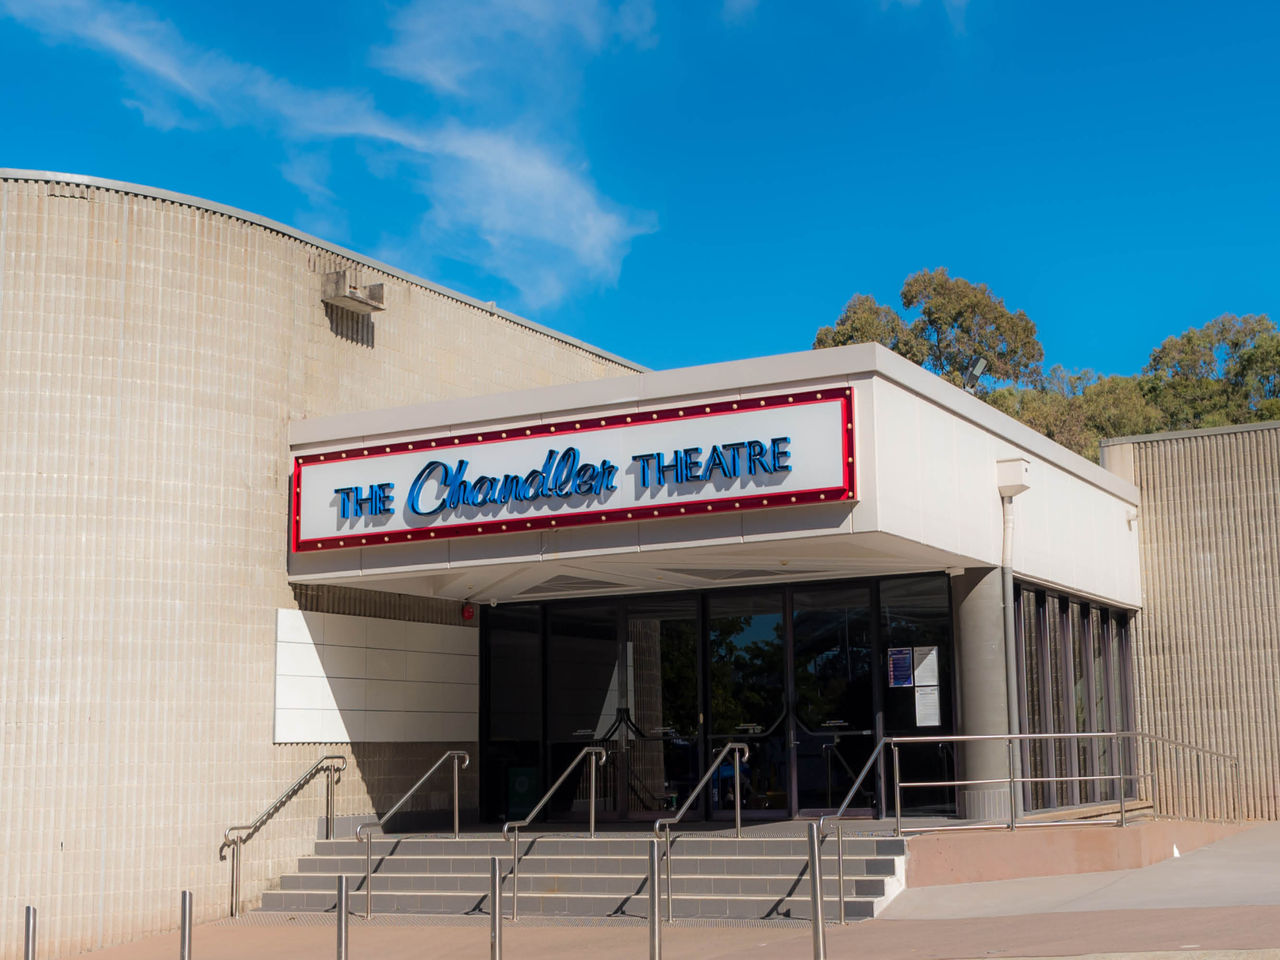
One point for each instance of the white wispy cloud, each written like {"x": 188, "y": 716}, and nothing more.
{"x": 519, "y": 209}
{"x": 526, "y": 201}
{"x": 462, "y": 49}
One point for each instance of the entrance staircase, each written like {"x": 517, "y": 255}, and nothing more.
{"x": 715, "y": 876}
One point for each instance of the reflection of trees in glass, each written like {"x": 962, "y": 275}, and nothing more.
{"x": 680, "y": 677}
{"x": 915, "y": 610}
{"x": 746, "y": 671}
{"x": 833, "y": 666}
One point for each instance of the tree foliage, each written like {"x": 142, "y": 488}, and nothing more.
{"x": 1226, "y": 372}
{"x": 958, "y": 322}
{"x": 1222, "y": 373}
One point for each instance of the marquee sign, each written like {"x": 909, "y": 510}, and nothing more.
{"x": 696, "y": 459}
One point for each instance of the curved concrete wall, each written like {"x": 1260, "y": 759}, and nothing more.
{"x": 155, "y": 349}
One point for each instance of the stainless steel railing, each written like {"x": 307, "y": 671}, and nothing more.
{"x": 511, "y": 829}
{"x": 334, "y": 764}
{"x": 740, "y": 752}
{"x": 1137, "y": 758}
{"x": 831, "y": 749}
{"x": 839, "y": 815}
{"x": 1125, "y": 760}
{"x": 362, "y": 830}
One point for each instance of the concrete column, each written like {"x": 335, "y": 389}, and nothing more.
{"x": 980, "y": 687}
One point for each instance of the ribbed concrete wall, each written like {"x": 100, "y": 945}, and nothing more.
{"x": 154, "y": 353}
{"x": 1208, "y": 638}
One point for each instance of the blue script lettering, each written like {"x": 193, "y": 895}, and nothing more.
{"x": 561, "y": 476}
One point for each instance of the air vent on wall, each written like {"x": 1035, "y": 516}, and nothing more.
{"x": 342, "y": 289}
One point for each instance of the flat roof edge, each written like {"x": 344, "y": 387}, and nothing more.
{"x": 1183, "y": 434}
{"x": 157, "y": 193}
{"x": 755, "y": 374}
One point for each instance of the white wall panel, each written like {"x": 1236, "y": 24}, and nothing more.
{"x": 419, "y": 683}
{"x": 936, "y": 483}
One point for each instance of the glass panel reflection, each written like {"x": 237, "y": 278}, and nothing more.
{"x": 835, "y": 718}
{"x": 662, "y": 760}
{"x": 746, "y": 673}
{"x": 916, "y": 612}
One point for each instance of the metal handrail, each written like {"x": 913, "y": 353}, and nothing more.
{"x": 247, "y": 830}
{"x": 832, "y": 748}
{"x": 361, "y": 833}
{"x": 839, "y": 817}
{"x": 740, "y": 752}
{"x": 598, "y": 757}
{"x": 1136, "y": 736}
{"x": 853, "y": 790}
{"x": 1092, "y": 735}
{"x": 1013, "y": 781}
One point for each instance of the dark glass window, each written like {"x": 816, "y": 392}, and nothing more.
{"x": 512, "y": 762}
{"x": 835, "y": 714}
{"x": 915, "y": 612}
{"x": 1075, "y": 676}
{"x": 747, "y": 679}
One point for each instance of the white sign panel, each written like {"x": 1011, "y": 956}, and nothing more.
{"x": 928, "y": 707}
{"x": 926, "y": 666}
{"x": 735, "y": 455}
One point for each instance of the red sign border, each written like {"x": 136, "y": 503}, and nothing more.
{"x": 688, "y": 411}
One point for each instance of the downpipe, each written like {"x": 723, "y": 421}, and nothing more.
{"x": 1010, "y": 651}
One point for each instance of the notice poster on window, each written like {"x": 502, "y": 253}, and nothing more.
{"x": 926, "y": 666}
{"x": 928, "y": 708}
{"x": 900, "y": 666}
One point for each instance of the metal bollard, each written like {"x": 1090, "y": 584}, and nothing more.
{"x": 29, "y": 939}
{"x": 737, "y": 794}
{"x": 342, "y": 915}
{"x": 495, "y": 910}
{"x": 184, "y": 936}
{"x": 235, "y": 876}
{"x": 655, "y": 920}
{"x": 815, "y": 894}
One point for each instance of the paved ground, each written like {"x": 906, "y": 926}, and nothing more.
{"x": 1241, "y": 871}
{"x": 1221, "y": 902}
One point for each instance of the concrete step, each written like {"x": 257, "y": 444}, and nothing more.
{"x": 629, "y": 865}
{"x": 683, "y": 885}
{"x": 741, "y": 907}
{"x": 633, "y": 846}
{"x": 713, "y": 876}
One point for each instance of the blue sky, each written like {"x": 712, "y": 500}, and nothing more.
{"x": 684, "y": 182}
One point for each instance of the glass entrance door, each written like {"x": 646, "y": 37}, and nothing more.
{"x": 658, "y": 753}
{"x": 746, "y": 678}
{"x": 586, "y": 683}
{"x": 800, "y": 673}
{"x": 832, "y": 630}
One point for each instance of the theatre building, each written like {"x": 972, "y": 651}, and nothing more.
{"x": 268, "y": 500}
{"x": 799, "y": 553}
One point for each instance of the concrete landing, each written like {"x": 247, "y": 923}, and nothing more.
{"x": 1242, "y": 870}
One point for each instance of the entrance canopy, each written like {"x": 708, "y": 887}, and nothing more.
{"x": 821, "y": 465}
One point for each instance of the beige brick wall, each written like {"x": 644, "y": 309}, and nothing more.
{"x": 1207, "y": 642}
{"x": 154, "y": 352}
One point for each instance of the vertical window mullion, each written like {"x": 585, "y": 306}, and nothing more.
{"x": 1071, "y": 749}
{"x": 1050, "y": 766}
{"x": 1091, "y": 713}
{"x": 1108, "y": 697}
